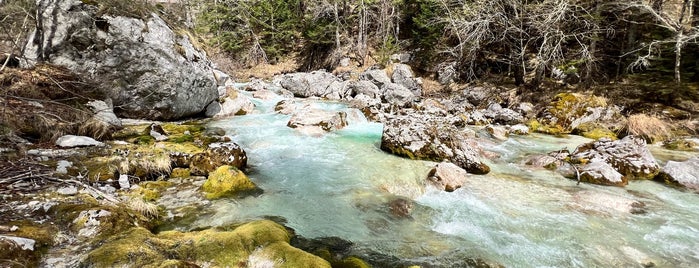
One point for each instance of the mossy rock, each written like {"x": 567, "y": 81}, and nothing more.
{"x": 227, "y": 181}
{"x": 140, "y": 248}
{"x": 594, "y": 131}
{"x": 351, "y": 262}
{"x": 681, "y": 145}
{"x": 43, "y": 236}
{"x": 180, "y": 173}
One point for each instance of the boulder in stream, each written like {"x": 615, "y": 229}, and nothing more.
{"x": 447, "y": 176}
{"x": 227, "y": 181}
{"x": 326, "y": 120}
{"x": 424, "y": 137}
{"x": 628, "y": 156}
{"x": 684, "y": 174}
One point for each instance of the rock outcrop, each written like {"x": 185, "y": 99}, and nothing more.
{"x": 145, "y": 68}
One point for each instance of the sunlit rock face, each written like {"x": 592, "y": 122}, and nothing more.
{"x": 148, "y": 70}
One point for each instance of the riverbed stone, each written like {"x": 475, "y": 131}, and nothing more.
{"x": 497, "y": 132}
{"x": 364, "y": 87}
{"x": 629, "y": 156}
{"x": 397, "y": 95}
{"x": 447, "y": 177}
{"x": 376, "y": 76}
{"x": 403, "y": 75}
{"x": 216, "y": 155}
{"x": 234, "y": 104}
{"x": 683, "y": 174}
{"x": 600, "y": 172}
{"x": 313, "y": 84}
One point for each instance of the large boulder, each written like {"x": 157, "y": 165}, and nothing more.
{"x": 403, "y": 75}
{"x": 629, "y": 156}
{"x": 313, "y": 84}
{"x": 397, "y": 95}
{"x": 599, "y": 172}
{"x": 684, "y": 174}
{"x": 428, "y": 138}
{"x": 376, "y": 76}
{"x": 364, "y": 87}
{"x": 147, "y": 70}
{"x": 235, "y": 104}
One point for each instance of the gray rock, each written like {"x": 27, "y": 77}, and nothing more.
{"x": 265, "y": 95}
{"x": 403, "y": 75}
{"x": 148, "y": 70}
{"x": 69, "y": 190}
{"x": 376, "y": 76}
{"x": 431, "y": 138}
{"x": 599, "y": 172}
{"x": 286, "y": 106}
{"x": 446, "y": 73}
{"x": 480, "y": 96}
{"x": 476, "y": 118}
{"x": 502, "y": 115}
{"x": 256, "y": 85}
{"x": 628, "y": 156}
{"x": 685, "y": 174}
{"x": 397, "y": 95}
{"x": 401, "y": 57}
{"x": 365, "y": 88}
{"x": 326, "y": 120}
{"x": 338, "y": 90}
{"x": 237, "y": 105}
{"x": 519, "y": 129}
{"x": 497, "y": 132}
{"x": 70, "y": 141}
{"x": 62, "y": 166}
{"x": 222, "y": 78}
{"x": 526, "y": 109}
{"x": 20, "y": 242}
{"x": 124, "y": 182}
{"x": 447, "y": 176}
{"x": 104, "y": 112}
{"x": 313, "y": 84}
{"x": 157, "y": 132}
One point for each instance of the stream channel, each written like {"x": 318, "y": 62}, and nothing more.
{"x": 340, "y": 185}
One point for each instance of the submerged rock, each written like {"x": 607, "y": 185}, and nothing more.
{"x": 148, "y": 70}
{"x": 684, "y": 174}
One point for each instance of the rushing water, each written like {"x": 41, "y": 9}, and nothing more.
{"x": 339, "y": 184}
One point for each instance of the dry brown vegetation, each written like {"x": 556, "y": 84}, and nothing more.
{"x": 650, "y": 128}
{"x": 44, "y": 103}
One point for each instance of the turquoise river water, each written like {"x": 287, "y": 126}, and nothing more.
{"x": 339, "y": 185}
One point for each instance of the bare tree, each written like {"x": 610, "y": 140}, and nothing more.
{"x": 674, "y": 16}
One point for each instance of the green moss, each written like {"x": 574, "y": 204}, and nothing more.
{"x": 594, "y": 131}
{"x": 680, "y": 145}
{"x": 139, "y": 247}
{"x": 351, "y": 262}
{"x": 182, "y": 138}
{"x": 180, "y": 173}
{"x": 226, "y": 181}
{"x": 144, "y": 140}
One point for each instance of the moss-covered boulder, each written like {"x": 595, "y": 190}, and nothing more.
{"x": 227, "y": 181}
{"x": 216, "y": 155}
{"x": 259, "y": 241}
{"x": 568, "y": 111}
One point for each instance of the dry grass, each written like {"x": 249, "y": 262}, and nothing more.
{"x": 649, "y": 127}
{"x": 156, "y": 165}
{"x": 145, "y": 208}
{"x": 267, "y": 71}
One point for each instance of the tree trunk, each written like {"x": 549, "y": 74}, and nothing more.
{"x": 678, "y": 57}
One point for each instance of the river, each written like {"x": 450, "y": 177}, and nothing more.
{"x": 340, "y": 184}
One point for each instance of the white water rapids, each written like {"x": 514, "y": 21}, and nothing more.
{"x": 339, "y": 185}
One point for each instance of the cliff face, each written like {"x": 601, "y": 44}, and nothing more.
{"x": 147, "y": 69}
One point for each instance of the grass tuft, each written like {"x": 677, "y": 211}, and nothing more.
{"x": 651, "y": 128}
